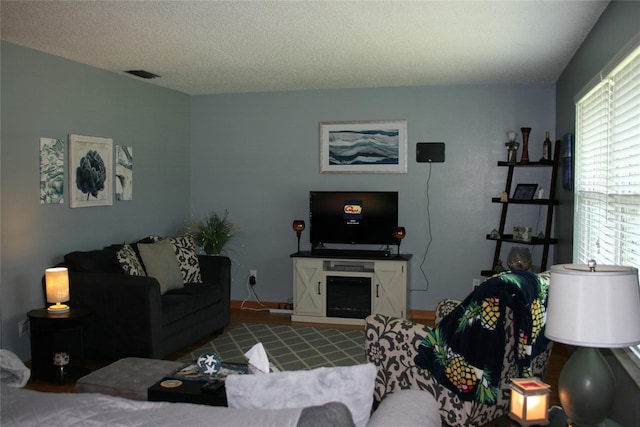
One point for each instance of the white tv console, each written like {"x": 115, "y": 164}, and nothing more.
{"x": 344, "y": 290}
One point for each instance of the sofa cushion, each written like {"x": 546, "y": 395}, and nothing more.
{"x": 184, "y": 301}
{"x": 161, "y": 263}
{"x": 351, "y": 385}
{"x": 185, "y": 251}
{"x": 98, "y": 261}
{"x": 129, "y": 261}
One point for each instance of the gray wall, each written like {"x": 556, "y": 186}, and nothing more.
{"x": 258, "y": 156}
{"x": 46, "y": 96}
{"x": 617, "y": 25}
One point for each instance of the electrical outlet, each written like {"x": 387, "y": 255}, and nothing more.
{"x": 23, "y": 327}
{"x": 474, "y": 283}
{"x": 253, "y": 277}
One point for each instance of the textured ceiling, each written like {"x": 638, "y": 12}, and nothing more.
{"x": 205, "y": 47}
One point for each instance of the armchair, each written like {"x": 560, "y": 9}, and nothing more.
{"x": 393, "y": 345}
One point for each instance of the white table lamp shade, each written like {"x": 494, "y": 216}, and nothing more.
{"x": 598, "y": 308}
{"x": 57, "y": 280}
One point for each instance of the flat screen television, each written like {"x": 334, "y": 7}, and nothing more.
{"x": 353, "y": 217}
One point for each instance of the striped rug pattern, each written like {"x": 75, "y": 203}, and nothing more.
{"x": 288, "y": 347}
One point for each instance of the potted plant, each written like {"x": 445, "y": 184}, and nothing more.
{"x": 213, "y": 232}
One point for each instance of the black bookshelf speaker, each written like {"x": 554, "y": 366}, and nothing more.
{"x": 430, "y": 152}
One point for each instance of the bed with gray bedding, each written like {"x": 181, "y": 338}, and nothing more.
{"x": 26, "y": 408}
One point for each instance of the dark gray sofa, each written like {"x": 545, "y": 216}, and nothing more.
{"x": 133, "y": 318}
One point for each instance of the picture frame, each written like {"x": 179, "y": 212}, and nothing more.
{"x": 51, "y": 171}
{"x": 90, "y": 171}
{"x": 525, "y": 191}
{"x": 375, "y": 146}
{"x": 124, "y": 173}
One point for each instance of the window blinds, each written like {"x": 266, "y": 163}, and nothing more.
{"x": 607, "y": 186}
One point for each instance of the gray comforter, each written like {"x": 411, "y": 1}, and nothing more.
{"x": 25, "y": 408}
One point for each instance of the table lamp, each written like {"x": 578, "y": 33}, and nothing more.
{"x": 57, "y": 283}
{"x": 591, "y": 307}
{"x": 298, "y": 226}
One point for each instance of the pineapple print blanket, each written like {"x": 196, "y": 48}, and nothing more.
{"x": 465, "y": 351}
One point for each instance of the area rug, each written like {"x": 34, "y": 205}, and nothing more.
{"x": 288, "y": 347}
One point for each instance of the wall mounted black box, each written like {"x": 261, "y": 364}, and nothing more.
{"x": 430, "y": 152}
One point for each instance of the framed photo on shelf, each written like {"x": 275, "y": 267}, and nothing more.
{"x": 90, "y": 171}
{"x": 525, "y": 191}
{"x": 363, "y": 147}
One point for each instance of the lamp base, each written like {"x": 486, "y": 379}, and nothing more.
{"x": 586, "y": 387}
{"x": 58, "y": 308}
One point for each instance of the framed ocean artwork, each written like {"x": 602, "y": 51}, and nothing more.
{"x": 363, "y": 147}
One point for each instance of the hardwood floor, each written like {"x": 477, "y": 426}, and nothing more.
{"x": 559, "y": 356}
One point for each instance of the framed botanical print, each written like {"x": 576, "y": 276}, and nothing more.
{"x": 90, "y": 171}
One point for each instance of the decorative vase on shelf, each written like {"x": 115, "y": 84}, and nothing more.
{"x": 525, "y": 145}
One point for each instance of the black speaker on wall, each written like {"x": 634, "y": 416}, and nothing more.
{"x": 430, "y": 152}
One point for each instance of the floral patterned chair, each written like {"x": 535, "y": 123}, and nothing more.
{"x": 392, "y": 345}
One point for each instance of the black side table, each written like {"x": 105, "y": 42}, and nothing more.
{"x": 187, "y": 392}
{"x": 55, "y": 333}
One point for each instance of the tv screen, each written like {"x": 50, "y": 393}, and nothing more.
{"x": 359, "y": 217}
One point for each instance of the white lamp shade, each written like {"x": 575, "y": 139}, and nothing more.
{"x": 598, "y": 308}
{"x": 57, "y": 280}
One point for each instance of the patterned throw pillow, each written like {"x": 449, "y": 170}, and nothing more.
{"x": 130, "y": 262}
{"x": 185, "y": 250}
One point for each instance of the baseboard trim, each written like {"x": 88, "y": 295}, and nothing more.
{"x": 280, "y": 311}
{"x": 426, "y": 317}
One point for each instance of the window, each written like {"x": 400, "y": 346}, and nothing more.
{"x": 607, "y": 187}
{"x": 607, "y": 167}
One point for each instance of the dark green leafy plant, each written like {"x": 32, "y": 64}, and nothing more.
{"x": 213, "y": 232}
{"x": 91, "y": 174}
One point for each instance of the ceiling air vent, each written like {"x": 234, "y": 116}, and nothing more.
{"x": 142, "y": 74}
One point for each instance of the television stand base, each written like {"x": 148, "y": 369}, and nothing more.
{"x": 325, "y": 286}
{"x": 354, "y": 253}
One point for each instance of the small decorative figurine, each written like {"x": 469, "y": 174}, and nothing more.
{"x": 61, "y": 360}
{"x": 209, "y": 363}
{"x": 512, "y": 147}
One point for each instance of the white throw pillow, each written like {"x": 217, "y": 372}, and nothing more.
{"x": 351, "y": 385}
{"x": 160, "y": 262}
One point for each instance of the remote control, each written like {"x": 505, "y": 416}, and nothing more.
{"x": 212, "y": 386}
